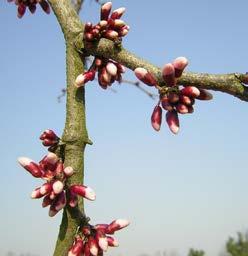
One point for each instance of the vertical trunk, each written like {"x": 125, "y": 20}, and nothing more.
{"x": 75, "y": 138}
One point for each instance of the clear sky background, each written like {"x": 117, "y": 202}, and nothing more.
{"x": 182, "y": 191}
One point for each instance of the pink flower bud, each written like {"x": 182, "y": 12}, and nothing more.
{"x": 186, "y": 100}
{"x": 123, "y": 31}
{"x": 68, "y": 171}
{"x": 182, "y": 109}
{"x": 105, "y": 11}
{"x": 49, "y": 134}
{"x": 30, "y": 166}
{"x": 103, "y": 24}
{"x": 111, "y": 34}
{"x": 116, "y": 24}
{"x": 156, "y": 118}
{"x": 51, "y": 158}
{"x": 46, "y": 201}
{"x": 36, "y": 194}
{"x": 83, "y": 191}
{"x": 190, "y": 91}
{"x": 168, "y": 73}
{"x": 146, "y": 77}
{"x": 173, "y": 121}
{"x": 105, "y": 77}
{"x": 60, "y": 201}
{"x": 166, "y": 104}
{"x": 112, "y": 241}
{"x": 46, "y": 188}
{"x": 45, "y": 6}
{"x": 204, "y": 95}
{"x": 58, "y": 186}
{"x": 111, "y": 68}
{"x": 179, "y": 64}
{"x": 102, "y": 240}
{"x": 116, "y": 14}
{"x": 93, "y": 246}
{"x": 59, "y": 168}
{"x": 117, "y": 225}
{"x": 76, "y": 248}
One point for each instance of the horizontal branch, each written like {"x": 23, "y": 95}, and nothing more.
{"x": 227, "y": 83}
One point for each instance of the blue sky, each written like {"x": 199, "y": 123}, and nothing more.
{"x": 182, "y": 191}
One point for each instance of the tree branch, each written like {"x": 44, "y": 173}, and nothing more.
{"x": 228, "y": 83}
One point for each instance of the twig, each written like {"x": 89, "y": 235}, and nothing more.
{"x": 137, "y": 84}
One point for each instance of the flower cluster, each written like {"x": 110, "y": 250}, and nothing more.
{"x": 112, "y": 28}
{"x": 176, "y": 98}
{"x": 49, "y": 138}
{"x": 109, "y": 71}
{"x": 52, "y": 170}
{"x": 22, "y": 5}
{"x": 95, "y": 240}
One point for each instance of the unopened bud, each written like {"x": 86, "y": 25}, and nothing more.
{"x": 30, "y": 166}
{"x": 156, "y": 118}
{"x": 172, "y": 121}
{"x": 117, "y": 225}
{"x": 146, "y": 77}
{"x": 83, "y": 191}
{"x": 168, "y": 73}
{"x": 179, "y": 64}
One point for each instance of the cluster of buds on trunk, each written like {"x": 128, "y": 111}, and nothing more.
{"x": 54, "y": 191}
{"x": 110, "y": 25}
{"x": 112, "y": 28}
{"x": 175, "y": 99}
{"x": 108, "y": 70}
{"x": 22, "y": 5}
{"x": 95, "y": 240}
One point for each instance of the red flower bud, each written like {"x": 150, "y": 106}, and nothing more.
{"x": 93, "y": 246}
{"x": 83, "y": 191}
{"x": 179, "y": 64}
{"x": 46, "y": 201}
{"x": 102, "y": 240}
{"x": 30, "y": 166}
{"x": 105, "y": 11}
{"x": 173, "y": 121}
{"x": 58, "y": 187}
{"x": 182, "y": 109}
{"x": 36, "y": 194}
{"x": 116, "y": 14}
{"x": 117, "y": 225}
{"x": 76, "y": 248}
{"x": 146, "y": 77}
{"x": 156, "y": 118}
{"x": 168, "y": 73}
{"x": 190, "y": 91}
{"x": 204, "y": 95}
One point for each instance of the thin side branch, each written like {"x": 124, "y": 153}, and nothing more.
{"x": 232, "y": 84}
{"x": 78, "y": 5}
